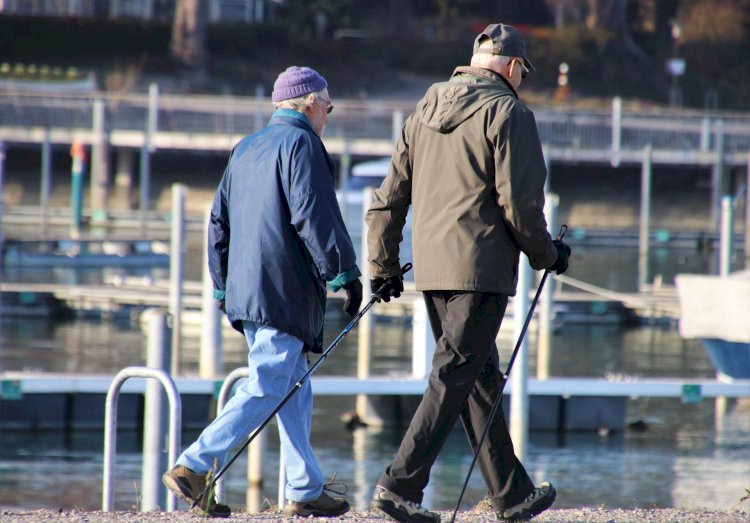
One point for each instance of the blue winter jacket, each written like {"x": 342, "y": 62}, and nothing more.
{"x": 276, "y": 233}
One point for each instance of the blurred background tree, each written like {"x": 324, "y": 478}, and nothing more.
{"x": 188, "y": 42}
{"x": 611, "y": 47}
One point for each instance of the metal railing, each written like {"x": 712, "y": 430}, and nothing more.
{"x": 177, "y": 121}
{"x": 110, "y": 427}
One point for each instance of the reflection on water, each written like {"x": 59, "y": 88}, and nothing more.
{"x": 680, "y": 461}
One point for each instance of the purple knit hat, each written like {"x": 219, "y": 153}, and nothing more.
{"x": 297, "y": 81}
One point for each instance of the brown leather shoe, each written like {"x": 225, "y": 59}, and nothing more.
{"x": 187, "y": 485}
{"x": 323, "y": 507}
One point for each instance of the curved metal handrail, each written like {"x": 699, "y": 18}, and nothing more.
{"x": 110, "y": 427}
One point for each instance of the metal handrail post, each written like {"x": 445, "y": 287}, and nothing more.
{"x": 110, "y": 427}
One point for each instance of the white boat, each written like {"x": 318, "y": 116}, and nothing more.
{"x": 716, "y": 310}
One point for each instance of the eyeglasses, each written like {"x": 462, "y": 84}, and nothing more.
{"x": 524, "y": 69}
{"x": 329, "y": 105}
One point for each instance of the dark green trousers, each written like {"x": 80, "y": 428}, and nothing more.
{"x": 464, "y": 381}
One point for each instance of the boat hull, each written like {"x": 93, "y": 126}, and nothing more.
{"x": 731, "y": 359}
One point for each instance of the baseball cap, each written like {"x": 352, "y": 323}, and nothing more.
{"x": 506, "y": 41}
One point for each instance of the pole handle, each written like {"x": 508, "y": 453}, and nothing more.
{"x": 404, "y": 269}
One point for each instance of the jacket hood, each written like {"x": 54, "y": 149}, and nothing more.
{"x": 448, "y": 104}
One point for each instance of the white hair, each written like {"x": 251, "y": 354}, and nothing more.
{"x": 494, "y": 62}
{"x": 302, "y": 103}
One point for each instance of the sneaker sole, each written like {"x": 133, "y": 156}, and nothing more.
{"x": 398, "y": 514}
{"x": 545, "y": 503}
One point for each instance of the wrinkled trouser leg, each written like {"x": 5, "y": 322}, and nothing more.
{"x": 505, "y": 476}
{"x": 276, "y": 361}
{"x": 465, "y": 325}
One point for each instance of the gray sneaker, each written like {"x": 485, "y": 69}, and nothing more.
{"x": 400, "y": 509}
{"x": 540, "y": 499}
{"x": 187, "y": 485}
{"x": 323, "y": 507}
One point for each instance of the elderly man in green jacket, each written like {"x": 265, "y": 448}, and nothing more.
{"x": 470, "y": 162}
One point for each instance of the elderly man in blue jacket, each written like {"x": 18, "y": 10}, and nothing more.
{"x": 276, "y": 237}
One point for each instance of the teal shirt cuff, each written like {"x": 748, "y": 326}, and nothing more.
{"x": 219, "y": 295}
{"x": 343, "y": 278}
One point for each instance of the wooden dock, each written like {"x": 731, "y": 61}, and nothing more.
{"x": 585, "y": 303}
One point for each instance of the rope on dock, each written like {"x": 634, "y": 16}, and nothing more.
{"x": 663, "y": 303}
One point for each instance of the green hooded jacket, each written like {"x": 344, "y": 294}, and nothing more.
{"x": 470, "y": 162}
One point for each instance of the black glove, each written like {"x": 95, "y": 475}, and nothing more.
{"x": 222, "y": 306}
{"x": 387, "y": 288}
{"x": 563, "y": 253}
{"x": 353, "y": 297}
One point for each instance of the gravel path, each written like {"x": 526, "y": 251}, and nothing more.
{"x": 584, "y": 515}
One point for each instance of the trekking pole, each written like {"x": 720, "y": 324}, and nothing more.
{"x": 374, "y": 298}
{"x": 499, "y": 398}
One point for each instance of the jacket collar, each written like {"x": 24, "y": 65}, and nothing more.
{"x": 485, "y": 74}
{"x": 295, "y": 115}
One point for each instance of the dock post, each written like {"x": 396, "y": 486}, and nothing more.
{"x": 154, "y": 419}
{"x": 144, "y": 186}
{"x": 177, "y": 270}
{"x": 2, "y": 211}
{"x": 747, "y": 215}
{"x": 78, "y": 155}
{"x": 717, "y": 177}
{"x": 99, "y": 182}
{"x": 726, "y": 238}
{"x": 123, "y": 185}
{"x": 519, "y": 375}
{"x": 211, "y": 362}
{"x": 364, "y": 327}
{"x": 645, "y": 221}
{"x": 282, "y": 480}
{"x": 616, "y": 130}
{"x": 150, "y": 126}
{"x": 253, "y": 496}
{"x": 46, "y": 186}
{"x": 705, "y": 133}
{"x": 544, "y": 338}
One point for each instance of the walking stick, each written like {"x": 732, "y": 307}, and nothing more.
{"x": 499, "y": 398}
{"x": 374, "y": 298}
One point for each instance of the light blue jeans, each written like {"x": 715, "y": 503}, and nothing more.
{"x": 276, "y": 362}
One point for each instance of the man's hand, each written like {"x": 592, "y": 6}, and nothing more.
{"x": 222, "y": 306}
{"x": 387, "y": 288}
{"x": 353, "y": 297}
{"x": 563, "y": 253}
